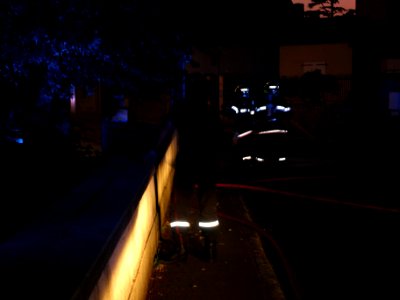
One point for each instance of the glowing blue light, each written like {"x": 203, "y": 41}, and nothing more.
{"x": 121, "y": 116}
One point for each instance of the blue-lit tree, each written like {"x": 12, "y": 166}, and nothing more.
{"x": 47, "y": 46}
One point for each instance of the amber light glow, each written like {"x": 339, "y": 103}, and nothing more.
{"x": 127, "y": 272}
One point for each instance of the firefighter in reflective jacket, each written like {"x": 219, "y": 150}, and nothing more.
{"x": 208, "y": 222}
{"x": 197, "y": 209}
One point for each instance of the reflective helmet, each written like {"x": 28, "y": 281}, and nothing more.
{"x": 271, "y": 87}
{"x": 242, "y": 91}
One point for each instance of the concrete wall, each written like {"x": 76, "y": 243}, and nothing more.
{"x": 127, "y": 272}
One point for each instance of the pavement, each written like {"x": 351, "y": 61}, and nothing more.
{"x": 224, "y": 262}
{"x": 238, "y": 268}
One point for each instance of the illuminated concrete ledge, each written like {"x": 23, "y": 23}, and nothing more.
{"x": 127, "y": 272}
{"x": 99, "y": 241}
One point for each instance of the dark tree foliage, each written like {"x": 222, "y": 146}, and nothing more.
{"x": 48, "y": 45}
{"x": 328, "y": 8}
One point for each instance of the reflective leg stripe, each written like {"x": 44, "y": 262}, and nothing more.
{"x": 179, "y": 224}
{"x": 209, "y": 224}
